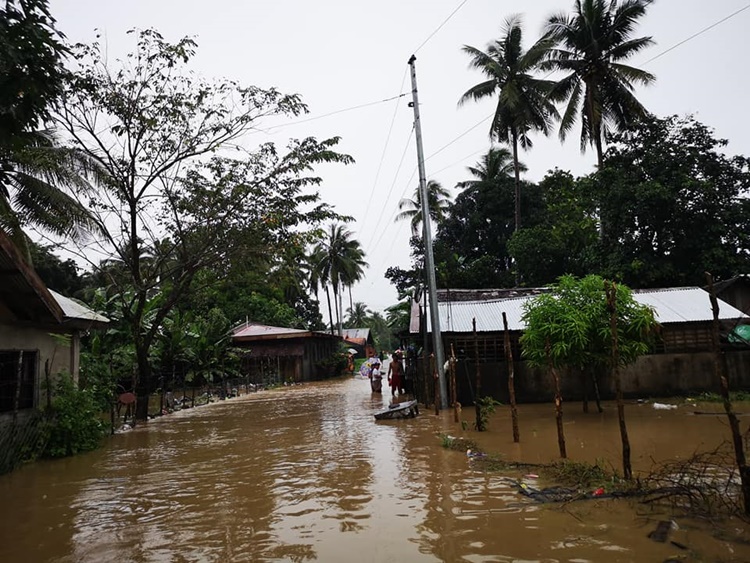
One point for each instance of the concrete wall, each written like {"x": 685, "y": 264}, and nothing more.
{"x": 659, "y": 375}
{"x": 14, "y": 337}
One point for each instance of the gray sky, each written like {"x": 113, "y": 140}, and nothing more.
{"x": 343, "y": 53}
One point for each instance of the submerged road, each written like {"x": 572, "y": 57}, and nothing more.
{"x": 307, "y": 474}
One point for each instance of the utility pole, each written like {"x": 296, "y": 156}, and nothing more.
{"x": 427, "y": 230}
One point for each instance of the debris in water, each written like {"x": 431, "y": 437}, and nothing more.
{"x": 663, "y": 528}
{"x": 664, "y": 407}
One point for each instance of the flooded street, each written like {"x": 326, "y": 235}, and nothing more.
{"x": 307, "y": 474}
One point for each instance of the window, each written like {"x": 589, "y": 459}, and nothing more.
{"x": 9, "y": 377}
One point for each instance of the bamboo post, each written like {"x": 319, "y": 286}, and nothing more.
{"x": 734, "y": 424}
{"x": 477, "y": 395}
{"x": 611, "y": 290}
{"x": 454, "y": 391}
{"x": 511, "y": 380}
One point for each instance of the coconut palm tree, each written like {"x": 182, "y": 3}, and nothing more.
{"x": 590, "y": 47}
{"x": 496, "y": 164}
{"x": 523, "y": 105}
{"x": 438, "y": 199}
{"x": 37, "y": 178}
{"x": 337, "y": 261}
{"x": 358, "y": 315}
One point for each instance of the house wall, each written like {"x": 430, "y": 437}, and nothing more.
{"x": 661, "y": 375}
{"x": 60, "y": 355}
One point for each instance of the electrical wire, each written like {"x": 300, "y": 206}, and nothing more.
{"x": 382, "y": 156}
{"x": 438, "y": 28}
{"x": 336, "y": 112}
{"x": 701, "y": 32}
{"x": 390, "y": 191}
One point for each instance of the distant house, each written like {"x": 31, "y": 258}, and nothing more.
{"x": 285, "y": 354}
{"x": 360, "y": 339}
{"x": 735, "y": 291}
{"x": 39, "y": 332}
{"x": 681, "y": 361}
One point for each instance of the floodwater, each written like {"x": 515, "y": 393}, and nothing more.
{"x": 307, "y": 474}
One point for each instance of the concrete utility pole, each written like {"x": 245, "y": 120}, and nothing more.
{"x": 427, "y": 230}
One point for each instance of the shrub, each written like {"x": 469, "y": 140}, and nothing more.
{"x": 76, "y": 425}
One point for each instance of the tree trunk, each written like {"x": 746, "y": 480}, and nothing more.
{"x": 558, "y": 403}
{"x": 734, "y": 423}
{"x": 511, "y": 380}
{"x": 479, "y": 423}
{"x": 611, "y": 290}
{"x": 330, "y": 313}
{"x": 517, "y": 196}
{"x": 585, "y": 389}
{"x": 143, "y": 382}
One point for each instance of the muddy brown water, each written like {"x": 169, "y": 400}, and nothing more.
{"x": 307, "y": 474}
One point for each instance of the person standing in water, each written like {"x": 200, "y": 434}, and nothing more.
{"x": 396, "y": 374}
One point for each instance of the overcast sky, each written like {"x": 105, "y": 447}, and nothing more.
{"x": 339, "y": 54}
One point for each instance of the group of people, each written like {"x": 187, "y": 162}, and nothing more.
{"x": 395, "y": 375}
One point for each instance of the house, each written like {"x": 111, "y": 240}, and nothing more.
{"x": 359, "y": 339}
{"x": 735, "y": 291}
{"x": 282, "y": 355}
{"x": 40, "y": 332}
{"x": 681, "y": 362}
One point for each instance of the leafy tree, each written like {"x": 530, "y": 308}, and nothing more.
{"x": 158, "y": 130}
{"x": 35, "y": 172}
{"x": 591, "y": 45}
{"x": 59, "y": 275}
{"x": 675, "y": 205}
{"x": 496, "y": 165}
{"x": 565, "y": 240}
{"x": 571, "y": 327}
{"x": 438, "y": 199}
{"x": 471, "y": 247}
{"x": 31, "y": 67}
{"x": 523, "y": 105}
{"x": 398, "y": 316}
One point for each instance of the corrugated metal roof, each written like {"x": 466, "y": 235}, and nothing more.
{"x": 74, "y": 310}
{"x": 676, "y": 305}
{"x": 358, "y": 333}
{"x": 259, "y": 330}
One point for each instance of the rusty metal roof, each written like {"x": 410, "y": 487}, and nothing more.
{"x": 672, "y": 305}
{"x": 255, "y": 331}
{"x": 355, "y": 333}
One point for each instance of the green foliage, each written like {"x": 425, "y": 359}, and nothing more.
{"x": 674, "y": 205}
{"x": 331, "y": 366}
{"x": 573, "y": 323}
{"x": 76, "y": 424}
{"x": 590, "y": 48}
{"x": 31, "y": 69}
{"x": 580, "y": 475}
{"x": 486, "y": 408}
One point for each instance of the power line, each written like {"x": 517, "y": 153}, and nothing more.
{"x": 360, "y": 106}
{"x": 382, "y": 156}
{"x": 440, "y": 26}
{"x": 390, "y": 191}
{"x": 702, "y": 31}
{"x": 441, "y": 149}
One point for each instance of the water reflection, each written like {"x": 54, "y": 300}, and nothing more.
{"x": 307, "y": 474}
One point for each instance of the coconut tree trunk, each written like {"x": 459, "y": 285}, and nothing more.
{"x": 734, "y": 423}
{"x": 627, "y": 470}
{"x": 511, "y": 380}
{"x": 517, "y": 195}
{"x": 330, "y": 313}
{"x": 558, "y": 402}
